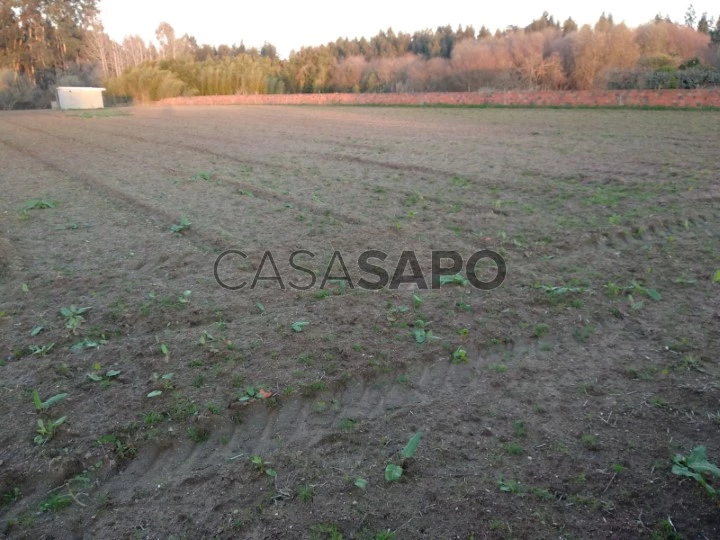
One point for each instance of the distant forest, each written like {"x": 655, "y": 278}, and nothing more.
{"x": 48, "y": 43}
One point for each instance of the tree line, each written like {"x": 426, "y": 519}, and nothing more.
{"x": 44, "y": 43}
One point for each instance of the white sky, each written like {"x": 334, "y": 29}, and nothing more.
{"x": 291, "y": 24}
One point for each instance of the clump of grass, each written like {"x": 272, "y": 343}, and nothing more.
{"x": 520, "y": 429}
{"x": 198, "y": 435}
{"x": 540, "y": 330}
{"x": 37, "y": 204}
{"x": 306, "y": 494}
{"x": 590, "y": 442}
{"x": 184, "y": 225}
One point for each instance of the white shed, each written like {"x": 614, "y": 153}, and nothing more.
{"x": 78, "y": 97}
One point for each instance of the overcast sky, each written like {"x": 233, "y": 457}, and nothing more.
{"x": 291, "y": 24}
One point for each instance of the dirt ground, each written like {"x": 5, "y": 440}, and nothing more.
{"x": 551, "y": 407}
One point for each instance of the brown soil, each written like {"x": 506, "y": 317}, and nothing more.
{"x": 562, "y": 423}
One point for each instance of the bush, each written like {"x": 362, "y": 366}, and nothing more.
{"x": 16, "y": 92}
{"x": 148, "y": 83}
{"x": 697, "y": 76}
{"x": 19, "y": 92}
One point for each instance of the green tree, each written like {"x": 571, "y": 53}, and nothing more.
{"x": 268, "y": 50}
{"x": 484, "y": 33}
{"x": 569, "y": 26}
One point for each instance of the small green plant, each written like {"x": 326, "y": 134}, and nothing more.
{"x": 421, "y": 333}
{"x": 306, "y": 494}
{"x": 394, "y": 472}
{"x": 559, "y": 291}
{"x": 459, "y": 356}
{"x": 520, "y": 429}
{"x": 184, "y": 225}
{"x": 184, "y": 298}
{"x": 165, "y": 350}
{"x": 583, "y": 333}
{"x": 542, "y": 494}
{"x": 498, "y": 368}
{"x": 122, "y": 450}
{"x": 88, "y": 344}
{"x": 46, "y": 430}
{"x": 55, "y": 502}
{"x": 198, "y": 435}
{"x": 459, "y": 181}
{"x": 38, "y": 204}
{"x": 299, "y": 326}
{"x": 510, "y": 486}
{"x": 347, "y": 423}
{"x": 590, "y": 442}
{"x": 166, "y": 381}
{"x": 41, "y": 405}
{"x": 74, "y": 316}
{"x": 40, "y": 350}
{"x": 262, "y": 466}
{"x": 205, "y": 338}
{"x": 457, "y": 279}
{"x": 255, "y": 393}
{"x": 151, "y": 418}
{"x": 104, "y": 379}
{"x": 696, "y": 466}
{"x": 325, "y": 532}
{"x": 213, "y": 408}
{"x": 361, "y": 483}
{"x": 514, "y": 449}
{"x": 203, "y": 175}
{"x": 666, "y": 531}
{"x": 540, "y": 330}
{"x": 634, "y": 288}
{"x": 11, "y": 495}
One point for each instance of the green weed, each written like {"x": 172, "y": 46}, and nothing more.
{"x": 40, "y": 350}
{"x": 510, "y": 486}
{"x": 306, "y": 494}
{"x": 262, "y": 466}
{"x": 74, "y": 316}
{"x": 197, "y": 434}
{"x": 696, "y": 466}
{"x": 394, "y": 472}
{"x": 38, "y": 204}
{"x": 459, "y": 356}
{"x": 41, "y": 405}
{"x": 46, "y": 430}
{"x": 184, "y": 225}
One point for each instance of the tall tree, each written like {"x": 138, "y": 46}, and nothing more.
{"x": 165, "y": 35}
{"x": 569, "y": 26}
{"x": 703, "y": 24}
{"x": 42, "y": 34}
